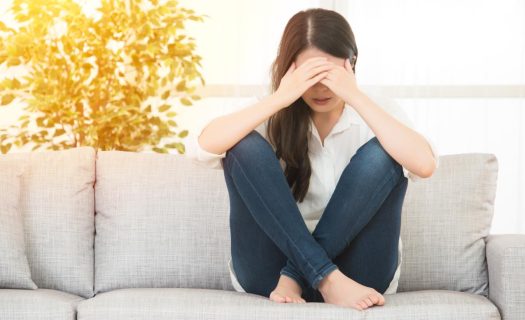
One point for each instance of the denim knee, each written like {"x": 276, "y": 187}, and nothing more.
{"x": 252, "y": 146}
{"x": 374, "y": 156}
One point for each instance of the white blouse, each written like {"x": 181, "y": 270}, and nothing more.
{"x": 328, "y": 161}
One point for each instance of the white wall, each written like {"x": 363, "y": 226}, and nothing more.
{"x": 458, "y": 67}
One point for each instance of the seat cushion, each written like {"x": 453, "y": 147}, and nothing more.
{"x": 185, "y": 303}
{"x": 41, "y": 304}
{"x": 57, "y": 202}
{"x": 444, "y": 224}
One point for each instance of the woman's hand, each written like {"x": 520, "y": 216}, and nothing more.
{"x": 296, "y": 81}
{"x": 341, "y": 81}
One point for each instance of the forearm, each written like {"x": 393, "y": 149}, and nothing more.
{"x": 405, "y": 145}
{"x": 225, "y": 131}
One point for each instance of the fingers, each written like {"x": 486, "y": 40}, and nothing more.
{"x": 291, "y": 68}
{"x": 316, "y": 79}
{"x": 315, "y": 70}
{"x": 313, "y": 62}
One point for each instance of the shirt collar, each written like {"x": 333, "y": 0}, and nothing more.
{"x": 348, "y": 118}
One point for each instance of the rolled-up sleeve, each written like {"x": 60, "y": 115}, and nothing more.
{"x": 197, "y": 120}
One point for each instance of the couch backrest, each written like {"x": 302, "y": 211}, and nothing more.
{"x": 163, "y": 221}
{"x": 57, "y": 202}
{"x": 445, "y": 221}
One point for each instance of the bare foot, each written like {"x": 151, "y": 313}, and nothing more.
{"x": 287, "y": 291}
{"x": 337, "y": 288}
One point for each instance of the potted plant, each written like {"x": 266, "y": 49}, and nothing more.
{"x": 106, "y": 80}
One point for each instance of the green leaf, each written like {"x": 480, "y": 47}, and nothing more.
{"x": 59, "y": 132}
{"x": 183, "y": 133}
{"x": 40, "y": 121}
{"x": 6, "y": 99}
{"x": 164, "y": 107}
{"x": 13, "y": 61}
{"x": 160, "y": 150}
{"x": 165, "y": 95}
{"x": 185, "y": 102}
{"x": 171, "y": 114}
{"x": 6, "y": 148}
{"x": 181, "y": 86}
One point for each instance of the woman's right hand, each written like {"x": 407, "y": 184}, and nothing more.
{"x": 297, "y": 80}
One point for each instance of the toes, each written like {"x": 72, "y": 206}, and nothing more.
{"x": 374, "y": 298}
{"x": 368, "y": 302}
{"x": 362, "y": 304}
{"x": 277, "y": 297}
{"x": 288, "y": 299}
{"x": 381, "y": 300}
{"x": 358, "y": 307}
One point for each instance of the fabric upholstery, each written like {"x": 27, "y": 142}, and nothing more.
{"x": 57, "y": 202}
{"x": 14, "y": 268}
{"x": 150, "y": 224}
{"x": 506, "y": 262}
{"x": 40, "y": 304}
{"x": 161, "y": 221}
{"x": 187, "y": 304}
{"x": 444, "y": 225}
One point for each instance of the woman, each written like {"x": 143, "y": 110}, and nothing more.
{"x": 316, "y": 174}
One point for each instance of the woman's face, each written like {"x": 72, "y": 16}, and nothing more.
{"x": 319, "y": 90}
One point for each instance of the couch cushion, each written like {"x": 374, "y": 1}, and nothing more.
{"x": 444, "y": 224}
{"x": 184, "y": 303}
{"x": 41, "y": 304}
{"x": 14, "y": 268}
{"x": 161, "y": 221}
{"x": 57, "y": 202}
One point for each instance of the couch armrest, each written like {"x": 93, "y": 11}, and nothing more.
{"x": 506, "y": 265}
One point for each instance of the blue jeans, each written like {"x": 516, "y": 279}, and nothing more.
{"x": 358, "y": 232}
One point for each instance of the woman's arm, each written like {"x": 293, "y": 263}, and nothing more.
{"x": 405, "y": 145}
{"x": 225, "y": 131}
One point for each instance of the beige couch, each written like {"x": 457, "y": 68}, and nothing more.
{"x": 122, "y": 235}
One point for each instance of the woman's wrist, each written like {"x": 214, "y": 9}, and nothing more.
{"x": 353, "y": 96}
{"x": 278, "y": 100}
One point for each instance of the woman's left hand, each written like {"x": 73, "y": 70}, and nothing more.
{"x": 341, "y": 81}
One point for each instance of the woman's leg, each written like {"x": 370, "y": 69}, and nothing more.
{"x": 264, "y": 217}
{"x": 371, "y": 258}
{"x": 360, "y": 226}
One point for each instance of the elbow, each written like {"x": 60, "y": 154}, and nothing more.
{"x": 428, "y": 170}
{"x": 206, "y": 148}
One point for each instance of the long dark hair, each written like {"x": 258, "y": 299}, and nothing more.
{"x": 288, "y": 128}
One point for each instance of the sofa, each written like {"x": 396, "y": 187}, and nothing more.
{"x": 90, "y": 234}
